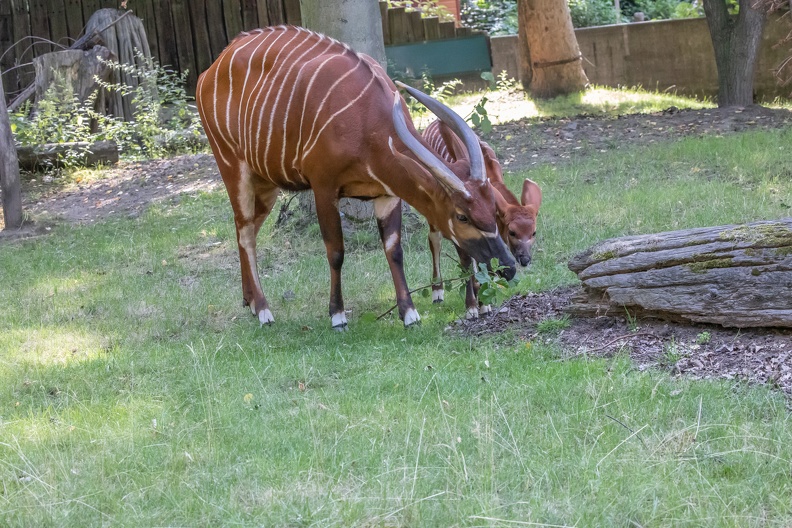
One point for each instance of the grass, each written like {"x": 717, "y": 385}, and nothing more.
{"x": 136, "y": 391}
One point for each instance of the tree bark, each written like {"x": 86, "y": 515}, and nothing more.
{"x": 550, "y": 59}
{"x": 737, "y": 275}
{"x": 359, "y": 24}
{"x": 736, "y": 40}
{"x": 9, "y": 170}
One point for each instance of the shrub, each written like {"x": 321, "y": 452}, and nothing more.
{"x": 586, "y": 13}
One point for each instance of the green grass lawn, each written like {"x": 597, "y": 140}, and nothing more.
{"x": 135, "y": 390}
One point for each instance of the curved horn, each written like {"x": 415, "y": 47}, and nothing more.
{"x": 458, "y": 125}
{"x": 447, "y": 178}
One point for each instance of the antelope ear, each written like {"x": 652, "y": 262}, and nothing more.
{"x": 493, "y": 166}
{"x": 531, "y": 194}
{"x": 500, "y": 202}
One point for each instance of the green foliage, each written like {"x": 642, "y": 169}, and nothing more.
{"x": 553, "y": 325}
{"x": 668, "y": 9}
{"x": 428, "y": 8}
{"x": 479, "y": 117}
{"x": 497, "y": 17}
{"x": 493, "y": 289}
{"x": 163, "y": 121}
{"x": 586, "y": 13}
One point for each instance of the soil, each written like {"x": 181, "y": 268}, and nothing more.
{"x": 757, "y": 356}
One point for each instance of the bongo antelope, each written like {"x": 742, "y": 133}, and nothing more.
{"x": 287, "y": 108}
{"x": 516, "y": 221}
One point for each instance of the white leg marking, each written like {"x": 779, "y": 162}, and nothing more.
{"x": 411, "y": 317}
{"x": 438, "y": 296}
{"x": 391, "y": 242}
{"x": 486, "y": 309}
{"x": 265, "y": 317}
{"x": 339, "y": 321}
{"x": 472, "y": 313}
{"x": 384, "y": 206}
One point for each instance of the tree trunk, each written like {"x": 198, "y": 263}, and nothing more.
{"x": 359, "y": 24}
{"x": 9, "y": 169}
{"x": 736, "y": 40}
{"x": 550, "y": 59}
{"x": 738, "y": 276}
{"x": 80, "y": 153}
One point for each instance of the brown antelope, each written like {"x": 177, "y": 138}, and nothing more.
{"x": 287, "y": 108}
{"x": 516, "y": 222}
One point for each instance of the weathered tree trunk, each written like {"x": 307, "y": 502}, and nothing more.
{"x": 736, "y": 275}
{"x": 81, "y": 152}
{"x": 77, "y": 69}
{"x": 550, "y": 59}
{"x": 736, "y": 40}
{"x": 9, "y": 170}
{"x": 359, "y": 24}
{"x": 125, "y": 36}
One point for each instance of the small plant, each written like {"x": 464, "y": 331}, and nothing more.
{"x": 632, "y": 321}
{"x": 553, "y": 325}
{"x": 493, "y": 289}
{"x": 703, "y": 338}
{"x": 479, "y": 117}
{"x": 506, "y": 83}
{"x": 671, "y": 354}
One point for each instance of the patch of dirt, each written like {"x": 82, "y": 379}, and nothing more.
{"x": 699, "y": 351}
{"x": 760, "y": 356}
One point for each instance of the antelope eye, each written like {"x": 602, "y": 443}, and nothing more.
{"x": 462, "y": 218}
{"x": 534, "y": 234}
{"x": 512, "y": 234}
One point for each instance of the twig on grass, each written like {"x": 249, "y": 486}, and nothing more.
{"x": 606, "y": 345}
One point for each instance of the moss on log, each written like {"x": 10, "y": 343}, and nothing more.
{"x": 735, "y": 276}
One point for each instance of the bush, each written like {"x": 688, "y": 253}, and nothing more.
{"x": 496, "y": 17}
{"x": 59, "y": 117}
{"x": 586, "y": 13}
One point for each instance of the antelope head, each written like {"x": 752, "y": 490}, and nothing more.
{"x": 465, "y": 211}
{"x": 519, "y": 221}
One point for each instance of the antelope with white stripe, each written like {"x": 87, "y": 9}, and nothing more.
{"x": 516, "y": 221}
{"x": 287, "y": 108}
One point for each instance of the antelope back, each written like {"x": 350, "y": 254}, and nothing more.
{"x": 285, "y": 100}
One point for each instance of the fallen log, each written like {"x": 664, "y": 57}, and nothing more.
{"x": 735, "y": 275}
{"x": 81, "y": 153}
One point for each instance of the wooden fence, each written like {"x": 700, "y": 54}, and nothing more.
{"x": 183, "y": 34}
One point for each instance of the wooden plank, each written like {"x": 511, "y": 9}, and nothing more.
{"x": 39, "y": 26}
{"x": 232, "y": 14}
{"x": 89, "y": 7}
{"x": 249, "y": 15}
{"x": 463, "y": 32}
{"x": 57, "y": 21}
{"x": 293, "y": 13}
{"x": 184, "y": 41}
{"x": 144, "y": 10}
{"x": 397, "y": 20}
{"x": 386, "y": 38}
{"x": 447, "y": 30}
{"x": 431, "y": 28}
{"x": 166, "y": 35}
{"x": 275, "y": 12}
{"x": 74, "y": 18}
{"x": 200, "y": 27}
{"x": 416, "y": 26}
{"x": 6, "y": 40}
{"x": 218, "y": 38}
{"x": 263, "y": 12}
{"x": 21, "y": 77}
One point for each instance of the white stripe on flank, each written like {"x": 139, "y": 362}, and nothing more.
{"x": 262, "y": 41}
{"x": 305, "y": 104}
{"x": 289, "y": 103}
{"x": 277, "y": 65}
{"x": 231, "y": 86}
{"x": 374, "y": 177}
{"x": 283, "y": 82}
{"x": 311, "y": 140}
